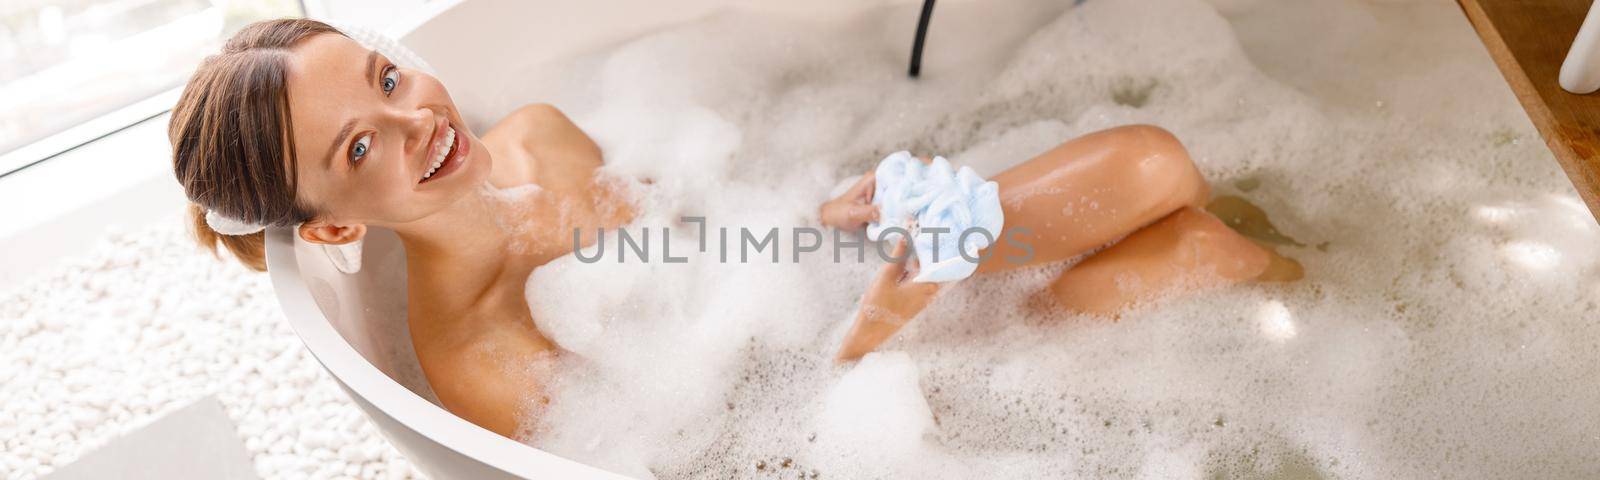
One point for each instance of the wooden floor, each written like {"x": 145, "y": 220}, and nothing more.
{"x": 1528, "y": 40}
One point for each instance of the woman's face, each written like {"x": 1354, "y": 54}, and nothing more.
{"x": 367, "y": 135}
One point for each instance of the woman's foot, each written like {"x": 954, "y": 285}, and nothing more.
{"x": 1251, "y": 221}
{"x": 1186, "y": 250}
{"x": 1280, "y": 268}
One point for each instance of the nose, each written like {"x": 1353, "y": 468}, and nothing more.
{"x": 418, "y": 126}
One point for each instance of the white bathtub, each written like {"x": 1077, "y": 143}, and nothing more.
{"x": 354, "y": 324}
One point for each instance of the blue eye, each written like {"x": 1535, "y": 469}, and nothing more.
{"x": 391, "y": 79}
{"x": 359, "y": 149}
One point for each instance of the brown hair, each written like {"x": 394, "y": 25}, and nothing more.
{"x": 232, "y": 145}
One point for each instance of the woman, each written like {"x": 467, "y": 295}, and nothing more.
{"x": 295, "y": 125}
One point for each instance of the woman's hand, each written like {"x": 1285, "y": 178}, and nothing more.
{"x": 890, "y": 302}
{"x": 854, "y": 209}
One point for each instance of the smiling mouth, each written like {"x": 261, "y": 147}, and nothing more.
{"x": 451, "y": 151}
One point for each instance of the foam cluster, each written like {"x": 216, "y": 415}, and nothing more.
{"x": 1443, "y": 329}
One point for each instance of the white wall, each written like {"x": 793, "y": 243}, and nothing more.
{"x": 375, "y": 14}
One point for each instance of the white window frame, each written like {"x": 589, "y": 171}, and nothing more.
{"x": 105, "y": 125}
{"x": 87, "y": 132}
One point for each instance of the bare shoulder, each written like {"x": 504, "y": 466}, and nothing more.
{"x": 542, "y": 145}
{"x": 540, "y": 126}
{"x": 534, "y": 116}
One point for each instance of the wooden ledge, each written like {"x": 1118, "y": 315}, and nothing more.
{"x": 1528, "y": 40}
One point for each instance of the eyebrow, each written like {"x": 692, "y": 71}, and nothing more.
{"x": 372, "y": 66}
{"x": 339, "y": 140}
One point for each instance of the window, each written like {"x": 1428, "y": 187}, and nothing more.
{"x": 65, "y": 62}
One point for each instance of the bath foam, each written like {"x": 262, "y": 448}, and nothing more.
{"x": 1445, "y": 328}
{"x": 875, "y": 416}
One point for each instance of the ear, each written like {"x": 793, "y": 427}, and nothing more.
{"x": 324, "y": 233}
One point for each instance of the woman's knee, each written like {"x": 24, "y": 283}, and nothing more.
{"x": 1164, "y": 168}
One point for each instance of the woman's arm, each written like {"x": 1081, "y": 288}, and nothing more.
{"x": 495, "y": 380}
{"x": 893, "y": 299}
{"x": 890, "y": 302}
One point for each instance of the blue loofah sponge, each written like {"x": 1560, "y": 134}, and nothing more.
{"x": 945, "y": 203}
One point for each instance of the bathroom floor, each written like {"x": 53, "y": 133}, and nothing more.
{"x": 145, "y": 325}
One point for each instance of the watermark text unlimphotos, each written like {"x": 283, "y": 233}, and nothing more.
{"x": 743, "y": 244}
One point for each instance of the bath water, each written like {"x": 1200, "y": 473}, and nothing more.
{"x": 1446, "y": 326}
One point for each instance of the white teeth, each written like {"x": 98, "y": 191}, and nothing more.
{"x": 446, "y": 146}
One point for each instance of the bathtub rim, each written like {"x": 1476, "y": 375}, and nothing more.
{"x": 346, "y": 365}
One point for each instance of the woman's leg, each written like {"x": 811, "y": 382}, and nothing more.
{"x": 1188, "y": 249}
{"x": 1077, "y": 197}
{"x": 1090, "y": 191}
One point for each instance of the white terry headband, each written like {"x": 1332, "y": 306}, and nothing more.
{"x": 367, "y": 37}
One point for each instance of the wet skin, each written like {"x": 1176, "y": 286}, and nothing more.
{"x": 1134, "y": 183}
